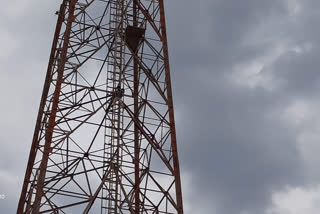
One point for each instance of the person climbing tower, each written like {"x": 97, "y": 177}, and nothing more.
{"x": 117, "y": 96}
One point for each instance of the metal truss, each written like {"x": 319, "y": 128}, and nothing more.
{"x": 105, "y": 139}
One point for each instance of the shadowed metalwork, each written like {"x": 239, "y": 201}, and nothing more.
{"x": 105, "y": 139}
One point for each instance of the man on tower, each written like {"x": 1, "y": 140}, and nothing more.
{"x": 117, "y": 95}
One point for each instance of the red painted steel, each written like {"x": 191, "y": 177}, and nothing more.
{"x": 105, "y": 139}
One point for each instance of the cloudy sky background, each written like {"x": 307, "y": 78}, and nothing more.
{"x": 246, "y": 83}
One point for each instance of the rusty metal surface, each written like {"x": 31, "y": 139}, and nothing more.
{"x": 96, "y": 150}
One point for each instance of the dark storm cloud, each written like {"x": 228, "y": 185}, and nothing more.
{"x": 212, "y": 32}
{"x": 236, "y": 152}
{"x": 299, "y": 72}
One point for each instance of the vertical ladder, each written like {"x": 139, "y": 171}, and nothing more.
{"x": 112, "y": 151}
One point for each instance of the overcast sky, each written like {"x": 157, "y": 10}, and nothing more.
{"x": 246, "y": 85}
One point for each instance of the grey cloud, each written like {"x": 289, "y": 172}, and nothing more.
{"x": 237, "y": 155}
{"x": 212, "y": 32}
{"x": 299, "y": 72}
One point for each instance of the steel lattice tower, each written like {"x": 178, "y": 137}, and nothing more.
{"x": 105, "y": 139}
